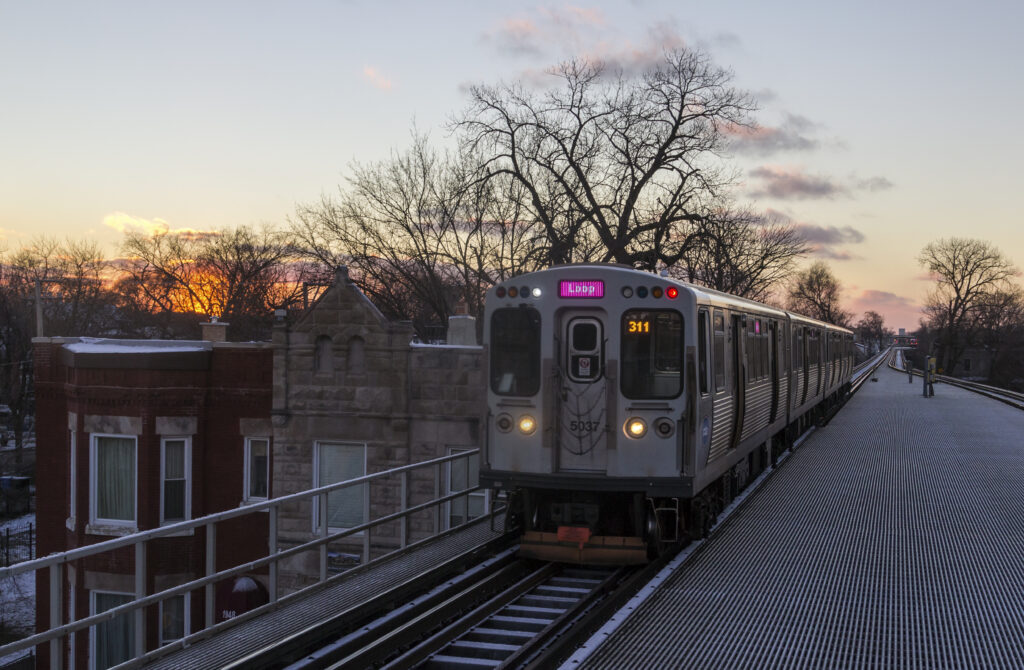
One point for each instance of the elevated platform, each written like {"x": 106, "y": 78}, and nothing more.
{"x": 231, "y": 647}
{"x": 892, "y": 538}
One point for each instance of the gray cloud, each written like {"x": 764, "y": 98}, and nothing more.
{"x": 822, "y": 240}
{"x": 792, "y": 184}
{"x": 791, "y": 135}
{"x": 829, "y": 234}
{"x": 517, "y": 37}
{"x": 874, "y": 184}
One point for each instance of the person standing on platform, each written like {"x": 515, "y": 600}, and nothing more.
{"x": 929, "y": 377}
{"x": 910, "y": 369}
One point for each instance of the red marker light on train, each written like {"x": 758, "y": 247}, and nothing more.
{"x": 672, "y": 292}
{"x": 500, "y": 291}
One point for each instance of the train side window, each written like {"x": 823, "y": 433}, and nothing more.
{"x": 702, "y": 349}
{"x": 652, "y": 354}
{"x": 719, "y": 350}
{"x": 515, "y": 351}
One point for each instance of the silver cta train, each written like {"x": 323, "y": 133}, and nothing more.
{"x": 626, "y": 409}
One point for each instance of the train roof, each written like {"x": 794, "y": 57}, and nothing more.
{"x": 708, "y": 294}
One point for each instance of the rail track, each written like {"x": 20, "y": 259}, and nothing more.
{"x": 503, "y": 612}
{"x": 1012, "y": 398}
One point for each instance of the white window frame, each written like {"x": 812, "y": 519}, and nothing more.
{"x": 446, "y": 522}
{"x": 93, "y": 612}
{"x": 246, "y": 498}
{"x": 72, "y": 477}
{"x": 94, "y": 487}
{"x": 188, "y": 619}
{"x": 316, "y": 483}
{"x": 188, "y": 475}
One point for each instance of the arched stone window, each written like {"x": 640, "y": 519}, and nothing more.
{"x": 323, "y": 355}
{"x": 356, "y": 358}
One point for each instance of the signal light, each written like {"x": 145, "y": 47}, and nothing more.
{"x": 513, "y": 291}
{"x": 656, "y": 292}
{"x": 672, "y": 292}
{"x": 627, "y": 291}
{"x": 641, "y": 292}
{"x": 500, "y": 291}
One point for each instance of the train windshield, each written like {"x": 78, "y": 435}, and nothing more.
{"x": 652, "y": 354}
{"x": 515, "y": 351}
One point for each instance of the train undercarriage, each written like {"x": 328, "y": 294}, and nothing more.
{"x": 623, "y": 528}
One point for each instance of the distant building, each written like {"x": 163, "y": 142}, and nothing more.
{"x": 353, "y": 394}
{"x": 135, "y": 434}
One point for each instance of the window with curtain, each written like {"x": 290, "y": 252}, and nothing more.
{"x": 339, "y": 462}
{"x": 111, "y": 640}
{"x": 257, "y": 468}
{"x": 464, "y": 473}
{"x": 175, "y": 475}
{"x": 173, "y": 618}
{"x": 112, "y": 480}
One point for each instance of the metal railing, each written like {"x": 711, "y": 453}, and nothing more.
{"x": 55, "y": 563}
{"x": 17, "y": 546}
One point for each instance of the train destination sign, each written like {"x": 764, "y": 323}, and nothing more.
{"x": 581, "y": 288}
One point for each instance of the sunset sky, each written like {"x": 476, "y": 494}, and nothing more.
{"x": 885, "y": 125}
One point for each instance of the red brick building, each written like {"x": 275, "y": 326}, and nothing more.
{"x": 133, "y": 435}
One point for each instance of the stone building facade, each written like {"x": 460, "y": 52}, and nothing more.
{"x": 354, "y": 394}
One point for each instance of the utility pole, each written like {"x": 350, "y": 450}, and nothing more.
{"x": 39, "y": 308}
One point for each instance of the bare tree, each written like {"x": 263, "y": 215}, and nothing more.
{"x": 740, "y": 252}
{"x": 1000, "y": 329}
{"x": 815, "y": 292}
{"x": 420, "y": 233}
{"x": 612, "y": 168}
{"x": 240, "y": 275}
{"x": 68, "y": 278}
{"x": 871, "y": 328}
{"x": 966, "y": 272}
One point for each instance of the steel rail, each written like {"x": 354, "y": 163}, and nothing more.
{"x": 1005, "y": 396}
{"x": 293, "y": 648}
{"x": 466, "y": 622}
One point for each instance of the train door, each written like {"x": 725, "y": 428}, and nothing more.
{"x": 705, "y": 380}
{"x": 805, "y": 368}
{"x": 773, "y": 366}
{"x": 583, "y": 401}
{"x": 739, "y": 376}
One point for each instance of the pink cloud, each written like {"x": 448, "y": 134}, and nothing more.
{"x": 376, "y": 78}
{"x": 898, "y": 311}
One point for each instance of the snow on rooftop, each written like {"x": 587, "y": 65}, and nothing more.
{"x": 96, "y": 345}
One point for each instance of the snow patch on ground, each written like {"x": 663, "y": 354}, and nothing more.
{"x": 17, "y": 597}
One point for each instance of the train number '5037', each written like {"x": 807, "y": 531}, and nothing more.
{"x": 584, "y": 426}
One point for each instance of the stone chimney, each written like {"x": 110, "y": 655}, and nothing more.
{"x": 462, "y": 330}
{"x": 214, "y": 330}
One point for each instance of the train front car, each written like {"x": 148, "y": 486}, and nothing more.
{"x": 587, "y": 410}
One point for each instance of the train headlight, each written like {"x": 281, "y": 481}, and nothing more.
{"x": 503, "y": 423}
{"x": 635, "y": 427}
{"x": 536, "y": 292}
{"x": 527, "y": 424}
